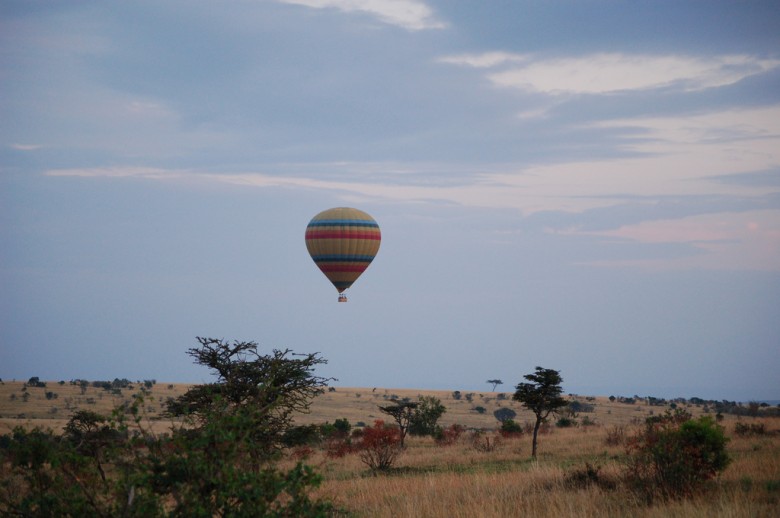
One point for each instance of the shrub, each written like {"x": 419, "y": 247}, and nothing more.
{"x": 744, "y": 429}
{"x": 674, "y": 455}
{"x": 510, "y": 428}
{"x": 426, "y": 415}
{"x": 566, "y": 422}
{"x": 483, "y": 442}
{"x": 480, "y": 409}
{"x": 342, "y": 426}
{"x": 448, "y": 436}
{"x": 615, "y": 436}
{"x": 183, "y": 475}
{"x": 338, "y": 447}
{"x": 589, "y": 475}
{"x": 379, "y": 446}
{"x": 578, "y": 406}
{"x": 302, "y": 435}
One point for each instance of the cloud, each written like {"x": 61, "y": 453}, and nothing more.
{"x": 25, "y": 147}
{"x": 673, "y": 156}
{"x": 606, "y": 73}
{"x": 684, "y": 159}
{"x": 409, "y": 14}
{"x": 652, "y": 134}
{"x": 486, "y": 59}
{"x": 121, "y": 172}
{"x": 748, "y": 240}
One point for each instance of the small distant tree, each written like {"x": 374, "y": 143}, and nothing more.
{"x": 504, "y": 414}
{"x": 495, "y": 383}
{"x": 35, "y": 381}
{"x": 542, "y": 396}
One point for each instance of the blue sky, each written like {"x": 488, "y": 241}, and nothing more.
{"x": 592, "y": 187}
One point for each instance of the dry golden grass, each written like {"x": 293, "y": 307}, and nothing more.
{"x": 459, "y": 481}
{"x": 37, "y": 410}
{"x": 355, "y": 404}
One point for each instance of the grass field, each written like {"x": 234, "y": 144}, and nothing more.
{"x": 355, "y": 404}
{"x": 460, "y": 480}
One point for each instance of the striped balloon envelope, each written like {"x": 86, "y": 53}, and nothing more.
{"x": 342, "y": 242}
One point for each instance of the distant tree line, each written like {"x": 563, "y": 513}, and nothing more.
{"x": 724, "y": 406}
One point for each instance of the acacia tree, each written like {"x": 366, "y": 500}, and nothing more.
{"x": 495, "y": 383}
{"x": 266, "y": 390}
{"x": 542, "y": 396}
{"x": 402, "y": 413}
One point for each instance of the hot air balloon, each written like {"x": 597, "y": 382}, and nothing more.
{"x": 342, "y": 242}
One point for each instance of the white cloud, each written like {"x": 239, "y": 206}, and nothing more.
{"x": 25, "y": 147}
{"x": 409, "y": 14}
{"x": 614, "y": 72}
{"x": 486, "y": 59}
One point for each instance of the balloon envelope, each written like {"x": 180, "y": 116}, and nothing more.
{"x": 342, "y": 242}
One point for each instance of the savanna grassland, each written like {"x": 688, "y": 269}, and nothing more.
{"x": 579, "y": 472}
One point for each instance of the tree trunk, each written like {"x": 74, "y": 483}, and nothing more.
{"x": 536, "y": 431}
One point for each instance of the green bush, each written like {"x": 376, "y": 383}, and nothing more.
{"x": 426, "y": 416}
{"x": 510, "y": 428}
{"x": 674, "y": 455}
{"x": 342, "y": 426}
{"x": 566, "y": 422}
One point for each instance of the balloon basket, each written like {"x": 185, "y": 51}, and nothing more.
{"x": 342, "y": 297}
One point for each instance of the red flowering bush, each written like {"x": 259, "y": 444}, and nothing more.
{"x": 379, "y": 445}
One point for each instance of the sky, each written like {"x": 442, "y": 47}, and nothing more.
{"x": 591, "y": 187}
